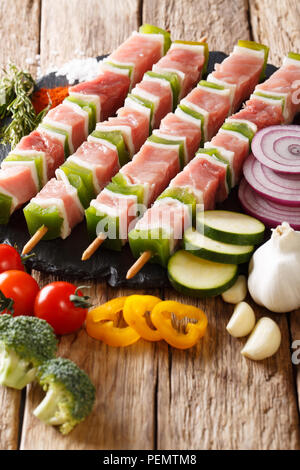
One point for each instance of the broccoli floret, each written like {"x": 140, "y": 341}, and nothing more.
{"x": 70, "y": 394}
{"x": 25, "y": 343}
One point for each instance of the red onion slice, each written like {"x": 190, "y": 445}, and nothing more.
{"x": 278, "y": 187}
{"x": 278, "y": 148}
{"x": 269, "y": 212}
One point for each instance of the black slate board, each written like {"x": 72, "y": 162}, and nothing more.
{"x": 63, "y": 257}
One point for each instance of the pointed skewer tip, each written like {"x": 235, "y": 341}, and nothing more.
{"x": 35, "y": 239}
{"x": 93, "y": 247}
{"x": 139, "y": 264}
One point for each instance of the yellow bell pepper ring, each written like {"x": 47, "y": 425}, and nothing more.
{"x": 111, "y": 308}
{"x": 161, "y": 319}
{"x": 100, "y": 324}
{"x": 134, "y": 311}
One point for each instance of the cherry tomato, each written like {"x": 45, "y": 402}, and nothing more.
{"x": 63, "y": 306}
{"x": 10, "y": 259}
{"x": 18, "y": 291}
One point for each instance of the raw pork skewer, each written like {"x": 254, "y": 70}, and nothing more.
{"x": 171, "y": 147}
{"x": 65, "y": 127}
{"x": 88, "y": 170}
{"x": 212, "y": 170}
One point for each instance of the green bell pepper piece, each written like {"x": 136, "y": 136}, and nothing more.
{"x": 82, "y": 179}
{"x": 57, "y": 130}
{"x": 150, "y": 29}
{"x": 183, "y": 195}
{"x": 123, "y": 67}
{"x": 207, "y": 84}
{"x": 5, "y": 208}
{"x": 90, "y": 108}
{"x": 36, "y": 216}
{"x": 173, "y": 79}
{"x": 155, "y": 240}
{"x": 257, "y": 47}
{"x": 120, "y": 185}
{"x": 293, "y": 55}
{"x": 271, "y": 97}
{"x": 240, "y": 127}
{"x": 162, "y": 140}
{"x": 116, "y": 138}
{"x": 112, "y": 225}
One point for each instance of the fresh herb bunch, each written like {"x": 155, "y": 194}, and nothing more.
{"x": 16, "y": 87}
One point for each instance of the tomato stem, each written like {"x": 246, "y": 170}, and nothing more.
{"x": 81, "y": 301}
{"x": 26, "y": 257}
{"x": 6, "y": 304}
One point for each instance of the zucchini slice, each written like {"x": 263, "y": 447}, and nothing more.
{"x": 204, "y": 247}
{"x": 231, "y": 227}
{"x": 198, "y": 277}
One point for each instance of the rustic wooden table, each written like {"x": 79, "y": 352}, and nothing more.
{"x": 148, "y": 395}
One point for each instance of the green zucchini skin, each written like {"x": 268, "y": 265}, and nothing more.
{"x": 235, "y": 239}
{"x": 216, "y": 256}
{"x": 199, "y": 293}
{"x": 220, "y": 257}
{"x": 230, "y": 237}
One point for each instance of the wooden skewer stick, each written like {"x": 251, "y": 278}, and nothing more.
{"x": 34, "y": 240}
{"x": 139, "y": 264}
{"x": 93, "y": 247}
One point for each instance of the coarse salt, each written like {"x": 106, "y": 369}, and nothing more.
{"x": 29, "y": 61}
{"x": 79, "y": 69}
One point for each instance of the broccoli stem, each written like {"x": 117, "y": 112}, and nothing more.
{"x": 14, "y": 372}
{"x": 48, "y": 410}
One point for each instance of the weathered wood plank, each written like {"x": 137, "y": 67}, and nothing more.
{"x": 295, "y": 351}
{"x": 9, "y": 418}
{"x": 19, "y": 32}
{"x": 93, "y": 34}
{"x": 200, "y": 386}
{"x": 210, "y": 397}
{"x": 223, "y": 21}
{"x": 125, "y": 379}
{"x": 276, "y": 23}
{"x": 121, "y": 419}
{"x": 70, "y": 30}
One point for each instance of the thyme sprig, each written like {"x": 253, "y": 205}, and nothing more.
{"x": 16, "y": 87}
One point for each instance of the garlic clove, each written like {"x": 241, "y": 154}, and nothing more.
{"x": 237, "y": 293}
{"x": 264, "y": 340}
{"x": 242, "y": 321}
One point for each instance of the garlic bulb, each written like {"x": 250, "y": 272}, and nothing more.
{"x": 274, "y": 271}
